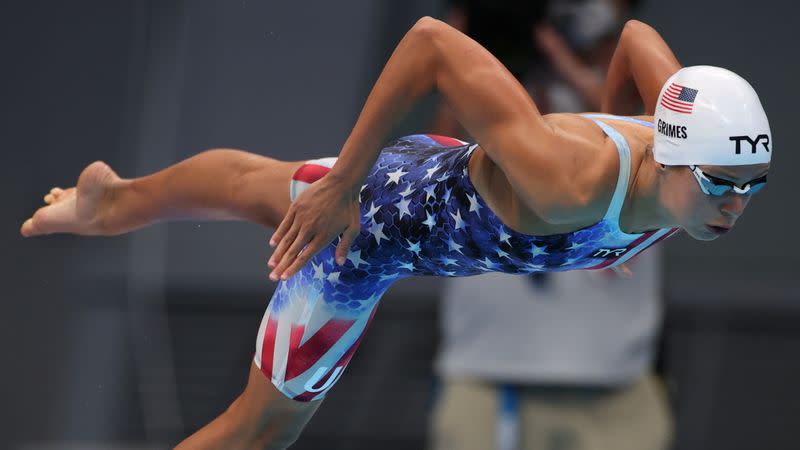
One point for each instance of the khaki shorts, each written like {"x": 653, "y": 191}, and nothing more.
{"x": 635, "y": 417}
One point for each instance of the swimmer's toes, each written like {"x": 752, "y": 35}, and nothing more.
{"x": 57, "y": 194}
{"x": 59, "y": 217}
{"x": 27, "y": 228}
{"x": 39, "y": 224}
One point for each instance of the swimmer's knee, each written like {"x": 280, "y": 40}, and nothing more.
{"x": 261, "y": 192}
{"x": 263, "y": 417}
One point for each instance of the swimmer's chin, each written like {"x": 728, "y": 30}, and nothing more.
{"x": 702, "y": 235}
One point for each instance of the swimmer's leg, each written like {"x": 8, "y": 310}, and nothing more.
{"x": 260, "y": 418}
{"x": 308, "y": 335}
{"x": 213, "y": 185}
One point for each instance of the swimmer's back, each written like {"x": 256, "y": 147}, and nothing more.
{"x": 592, "y": 175}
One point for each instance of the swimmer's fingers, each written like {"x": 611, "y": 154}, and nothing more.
{"x": 289, "y": 257}
{"x": 284, "y": 226}
{"x": 346, "y": 241}
{"x": 623, "y": 270}
{"x": 283, "y": 245}
{"x": 305, "y": 255}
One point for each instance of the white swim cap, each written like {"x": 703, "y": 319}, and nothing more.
{"x": 710, "y": 116}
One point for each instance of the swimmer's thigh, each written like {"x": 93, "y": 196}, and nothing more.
{"x": 262, "y": 193}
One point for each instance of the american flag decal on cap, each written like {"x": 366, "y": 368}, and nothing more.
{"x": 679, "y": 98}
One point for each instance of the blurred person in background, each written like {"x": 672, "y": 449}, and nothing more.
{"x": 560, "y": 361}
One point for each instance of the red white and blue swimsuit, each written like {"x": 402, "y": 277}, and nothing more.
{"x": 420, "y": 215}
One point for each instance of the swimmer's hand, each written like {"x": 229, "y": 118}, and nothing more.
{"x": 623, "y": 271}
{"x": 327, "y": 209}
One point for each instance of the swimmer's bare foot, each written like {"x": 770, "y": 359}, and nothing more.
{"x": 78, "y": 210}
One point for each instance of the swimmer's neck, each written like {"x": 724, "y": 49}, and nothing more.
{"x": 643, "y": 210}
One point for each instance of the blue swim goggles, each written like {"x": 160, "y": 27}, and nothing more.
{"x": 718, "y": 187}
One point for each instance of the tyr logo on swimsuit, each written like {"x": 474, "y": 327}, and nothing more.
{"x": 753, "y": 142}
{"x": 609, "y": 252}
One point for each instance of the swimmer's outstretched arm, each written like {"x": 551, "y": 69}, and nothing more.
{"x": 642, "y": 60}
{"x": 487, "y": 100}
{"x": 219, "y": 184}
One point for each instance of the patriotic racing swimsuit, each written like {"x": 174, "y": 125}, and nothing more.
{"x": 420, "y": 215}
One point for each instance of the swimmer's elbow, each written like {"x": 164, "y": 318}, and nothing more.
{"x": 427, "y": 31}
{"x": 636, "y": 30}
{"x": 426, "y": 26}
{"x": 633, "y": 26}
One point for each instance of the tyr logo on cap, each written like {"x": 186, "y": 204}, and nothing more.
{"x": 753, "y": 142}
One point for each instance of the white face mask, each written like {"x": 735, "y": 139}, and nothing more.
{"x": 584, "y": 23}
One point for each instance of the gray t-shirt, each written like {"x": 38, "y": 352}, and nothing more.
{"x": 579, "y": 327}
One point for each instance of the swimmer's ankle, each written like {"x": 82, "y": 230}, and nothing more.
{"x": 99, "y": 192}
{"x": 110, "y": 217}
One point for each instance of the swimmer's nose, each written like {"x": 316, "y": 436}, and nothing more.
{"x": 733, "y": 206}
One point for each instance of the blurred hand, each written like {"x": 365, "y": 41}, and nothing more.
{"x": 549, "y": 41}
{"x": 623, "y": 271}
{"x": 326, "y": 209}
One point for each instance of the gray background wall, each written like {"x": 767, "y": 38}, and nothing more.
{"x": 139, "y": 339}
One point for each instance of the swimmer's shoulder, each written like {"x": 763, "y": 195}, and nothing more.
{"x": 578, "y": 197}
{"x": 593, "y": 169}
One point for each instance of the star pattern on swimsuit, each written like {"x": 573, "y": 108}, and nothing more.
{"x": 429, "y": 172}
{"x": 474, "y": 206}
{"x": 459, "y": 223}
{"x": 535, "y": 267}
{"x": 448, "y": 261}
{"x": 430, "y": 192}
{"x": 372, "y": 210}
{"x": 413, "y": 247}
{"x": 376, "y": 230}
{"x": 402, "y": 208}
{"x": 570, "y": 261}
{"x": 536, "y": 251}
{"x": 488, "y": 263}
{"x": 407, "y": 192}
{"x": 354, "y": 256}
{"x": 420, "y": 214}
{"x": 319, "y": 270}
{"x": 407, "y": 266}
{"x": 394, "y": 177}
{"x": 576, "y": 245}
{"x": 389, "y": 276}
{"x": 430, "y": 220}
{"x": 411, "y": 224}
{"x": 447, "y": 193}
{"x": 453, "y": 246}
